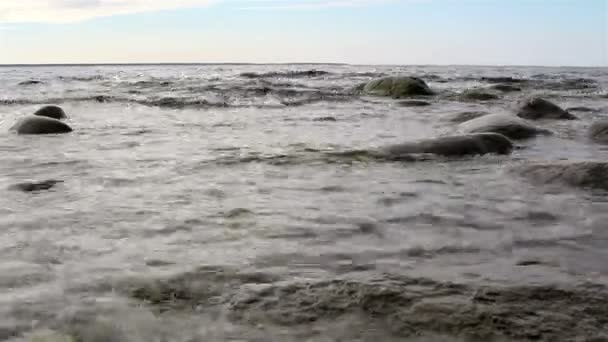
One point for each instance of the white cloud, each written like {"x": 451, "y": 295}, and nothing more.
{"x": 15, "y": 11}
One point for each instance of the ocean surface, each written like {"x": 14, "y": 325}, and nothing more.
{"x": 205, "y": 203}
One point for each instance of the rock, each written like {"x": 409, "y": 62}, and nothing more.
{"x": 52, "y": 112}
{"x": 466, "y": 116}
{"x": 397, "y": 87}
{"x": 502, "y": 80}
{"x": 414, "y": 103}
{"x": 582, "y": 109}
{"x": 477, "y": 95}
{"x": 588, "y": 175}
{"x": 505, "y": 88}
{"x": 40, "y": 125}
{"x": 30, "y": 82}
{"x": 35, "y": 186}
{"x": 510, "y": 126}
{"x": 598, "y": 131}
{"x": 537, "y": 108}
{"x": 458, "y": 145}
{"x": 325, "y": 118}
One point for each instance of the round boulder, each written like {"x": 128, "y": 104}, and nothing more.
{"x": 510, "y": 126}
{"x": 397, "y": 87}
{"x": 40, "y": 125}
{"x": 457, "y": 145}
{"x": 536, "y": 108}
{"x": 53, "y": 112}
{"x": 598, "y": 131}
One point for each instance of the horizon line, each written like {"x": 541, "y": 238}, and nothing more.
{"x": 3, "y": 65}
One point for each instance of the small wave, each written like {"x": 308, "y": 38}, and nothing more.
{"x": 286, "y": 74}
{"x": 82, "y": 78}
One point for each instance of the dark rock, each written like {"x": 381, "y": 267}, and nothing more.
{"x": 458, "y": 145}
{"x": 397, "y": 87}
{"x": 466, "y": 116}
{"x": 536, "y": 108}
{"x": 477, "y": 95}
{"x": 507, "y": 125}
{"x": 414, "y": 103}
{"x": 502, "y": 80}
{"x": 53, "y": 112}
{"x": 588, "y": 175}
{"x": 30, "y": 82}
{"x": 35, "y": 186}
{"x": 582, "y": 109}
{"x": 325, "y": 118}
{"x": 598, "y": 131}
{"x": 40, "y": 125}
{"x": 506, "y": 88}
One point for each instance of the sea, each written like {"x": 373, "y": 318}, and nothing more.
{"x": 205, "y": 202}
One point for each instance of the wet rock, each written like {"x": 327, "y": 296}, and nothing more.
{"x": 40, "y": 125}
{"x": 582, "y": 109}
{"x": 598, "y": 131}
{"x": 505, "y": 88}
{"x": 458, "y": 145}
{"x": 502, "y": 80}
{"x": 420, "y": 309}
{"x": 477, "y": 95}
{"x": 30, "y": 82}
{"x": 397, "y": 87}
{"x": 35, "y": 186}
{"x": 466, "y": 116}
{"x": 414, "y": 103}
{"x": 53, "y": 112}
{"x": 326, "y": 118}
{"x": 536, "y": 108}
{"x": 587, "y": 175}
{"x": 507, "y": 125}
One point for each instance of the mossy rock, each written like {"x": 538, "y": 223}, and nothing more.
{"x": 397, "y": 87}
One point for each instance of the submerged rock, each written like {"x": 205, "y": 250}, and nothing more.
{"x": 466, "y": 116}
{"x": 397, "y": 87}
{"x": 537, "y": 108}
{"x": 30, "y": 82}
{"x": 505, "y": 88}
{"x": 502, "y": 80}
{"x": 414, "y": 103}
{"x": 35, "y": 186}
{"x": 458, "y": 145}
{"x": 325, "y": 118}
{"x": 507, "y": 125}
{"x": 598, "y": 131}
{"x": 53, "y": 112}
{"x": 477, "y": 95}
{"x": 40, "y": 125}
{"x": 589, "y": 175}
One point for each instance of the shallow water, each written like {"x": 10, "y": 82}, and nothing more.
{"x": 202, "y": 202}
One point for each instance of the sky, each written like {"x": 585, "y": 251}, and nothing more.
{"x": 422, "y": 32}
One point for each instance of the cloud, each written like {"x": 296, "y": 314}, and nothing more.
{"x": 16, "y": 11}
{"x": 311, "y": 4}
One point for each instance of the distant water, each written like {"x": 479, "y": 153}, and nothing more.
{"x": 201, "y": 203}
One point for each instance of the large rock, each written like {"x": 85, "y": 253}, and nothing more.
{"x": 458, "y": 145}
{"x": 397, "y": 87}
{"x": 537, "y": 108}
{"x": 589, "y": 175}
{"x": 508, "y": 125}
{"x": 40, "y": 125}
{"x": 598, "y": 131}
{"x": 52, "y": 112}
